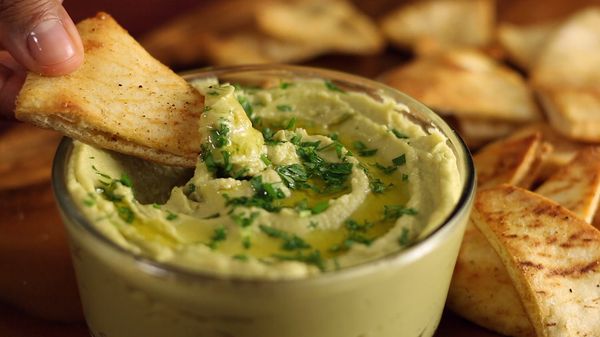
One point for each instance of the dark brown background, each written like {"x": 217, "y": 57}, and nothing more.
{"x": 32, "y": 238}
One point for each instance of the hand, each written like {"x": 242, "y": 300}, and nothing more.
{"x": 39, "y": 36}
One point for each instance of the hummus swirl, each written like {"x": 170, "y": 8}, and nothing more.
{"x": 294, "y": 179}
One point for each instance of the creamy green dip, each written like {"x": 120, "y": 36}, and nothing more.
{"x": 294, "y": 179}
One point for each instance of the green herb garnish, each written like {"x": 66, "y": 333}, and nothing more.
{"x": 219, "y": 136}
{"x": 398, "y": 134}
{"x": 404, "y": 238}
{"x": 362, "y": 149}
{"x": 284, "y": 108}
{"x": 332, "y": 86}
{"x": 125, "y": 213}
{"x": 400, "y": 160}
{"x": 219, "y": 235}
{"x": 290, "y": 241}
{"x": 393, "y": 212}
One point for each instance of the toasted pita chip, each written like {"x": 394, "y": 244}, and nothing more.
{"x": 467, "y": 84}
{"x": 446, "y": 23}
{"x": 552, "y": 256}
{"x": 576, "y": 186}
{"x": 120, "y": 99}
{"x": 575, "y": 113}
{"x": 571, "y": 57}
{"x": 478, "y": 132}
{"x": 563, "y": 149}
{"x": 481, "y": 290}
{"x": 523, "y": 44}
{"x": 513, "y": 160}
{"x": 182, "y": 40}
{"x": 333, "y": 24}
{"x": 254, "y": 47}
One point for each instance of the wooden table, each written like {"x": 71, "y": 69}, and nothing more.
{"x": 33, "y": 251}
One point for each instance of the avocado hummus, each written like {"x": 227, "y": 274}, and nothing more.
{"x": 294, "y": 179}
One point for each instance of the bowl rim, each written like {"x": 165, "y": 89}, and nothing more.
{"x": 69, "y": 209}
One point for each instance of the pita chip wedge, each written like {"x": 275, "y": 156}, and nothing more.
{"x": 334, "y": 25}
{"x": 466, "y": 84}
{"x": 552, "y": 256}
{"x": 515, "y": 159}
{"x": 444, "y": 23}
{"x": 575, "y": 113}
{"x": 252, "y": 46}
{"x": 576, "y": 185}
{"x": 478, "y": 132}
{"x": 523, "y": 43}
{"x": 563, "y": 149}
{"x": 571, "y": 56}
{"x": 481, "y": 289}
{"x": 120, "y": 99}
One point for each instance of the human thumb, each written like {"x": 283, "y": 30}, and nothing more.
{"x": 40, "y": 35}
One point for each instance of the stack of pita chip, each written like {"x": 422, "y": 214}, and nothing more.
{"x": 486, "y": 99}
{"x": 529, "y": 264}
{"x": 563, "y": 59}
{"x": 265, "y": 31}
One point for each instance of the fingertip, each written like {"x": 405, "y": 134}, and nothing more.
{"x": 70, "y": 45}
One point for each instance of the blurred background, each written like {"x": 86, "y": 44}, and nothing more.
{"x": 38, "y": 296}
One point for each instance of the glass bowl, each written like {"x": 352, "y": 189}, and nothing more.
{"x": 401, "y": 294}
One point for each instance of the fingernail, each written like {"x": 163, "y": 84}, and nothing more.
{"x": 49, "y": 43}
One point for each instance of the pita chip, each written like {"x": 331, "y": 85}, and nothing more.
{"x": 120, "y": 99}
{"x": 333, "y": 25}
{"x": 571, "y": 56}
{"x": 576, "y": 185}
{"x": 523, "y": 43}
{"x": 443, "y": 23}
{"x": 466, "y": 84}
{"x": 515, "y": 160}
{"x": 552, "y": 257}
{"x": 575, "y": 113}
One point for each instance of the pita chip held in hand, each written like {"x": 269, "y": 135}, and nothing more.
{"x": 120, "y": 99}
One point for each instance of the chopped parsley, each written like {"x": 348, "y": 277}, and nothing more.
{"x": 125, "y": 213}
{"x": 219, "y": 235}
{"x": 90, "y": 200}
{"x": 219, "y": 136}
{"x": 244, "y": 221}
{"x": 393, "y": 212}
{"x": 291, "y": 124}
{"x": 240, "y": 257}
{"x": 335, "y": 175}
{"x": 363, "y": 150}
{"x": 386, "y": 169}
{"x": 265, "y": 194}
{"x": 398, "y": 134}
{"x": 332, "y": 86}
{"x": 268, "y": 134}
{"x": 284, "y": 85}
{"x": 290, "y": 241}
{"x": 171, "y": 216}
{"x": 294, "y": 176}
{"x": 265, "y": 159}
{"x": 246, "y": 242}
{"x": 284, "y": 108}
{"x": 400, "y": 160}
{"x": 313, "y": 258}
{"x": 320, "y": 207}
{"x": 404, "y": 238}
